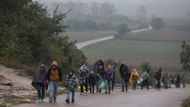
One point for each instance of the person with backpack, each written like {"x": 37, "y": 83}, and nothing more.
{"x": 54, "y": 76}
{"x": 39, "y": 82}
{"x": 71, "y": 84}
{"x": 145, "y": 79}
{"x": 125, "y": 75}
{"x": 92, "y": 82}
{"x": 83, "y": 79}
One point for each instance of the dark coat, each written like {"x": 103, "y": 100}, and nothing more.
{"x": 92, "y": 79}
{"x": 60, "y": 73}
{"x": 124, "y": 72}
{"x": 39, "y": 77}
{"x": 158, "y": 76}
{"x": 114, "y": 74}
{"x": 109, "y": 74}
{"x": 99, "y": 67}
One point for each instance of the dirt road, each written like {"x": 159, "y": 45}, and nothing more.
{"x": 152, "y": 98}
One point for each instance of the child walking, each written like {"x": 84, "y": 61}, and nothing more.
{"x": 71, "y": 84}
{"x": 92, "y": 82}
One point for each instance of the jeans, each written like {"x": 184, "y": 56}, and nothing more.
{"x": 71, "y": 94}
{"x": 97, "y": 84}
{"x": 109, "y": 85}
{"x": 124, "y": 84}
{"x": 41, "y": 91}
{"x": 53, "y": 85}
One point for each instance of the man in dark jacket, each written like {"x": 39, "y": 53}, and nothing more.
{"x": 39, "y": 82}
{"x": 158, "y": 77}
{"x": 54, "y": 76}
{"x": 125, "y": 75}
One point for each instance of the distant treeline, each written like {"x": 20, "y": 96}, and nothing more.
{"x": 81, "y": 9}
{"x": 91, "y": 16}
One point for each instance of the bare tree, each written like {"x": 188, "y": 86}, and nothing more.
{"x": 141, "y": 14}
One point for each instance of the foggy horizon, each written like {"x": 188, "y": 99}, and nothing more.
{"x": 161, "y": 8}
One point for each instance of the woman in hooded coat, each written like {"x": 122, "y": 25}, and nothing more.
{"x": 133, "y": 78}
{"x": 39, "y": 82}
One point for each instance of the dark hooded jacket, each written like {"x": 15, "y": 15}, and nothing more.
{"x": 39, "y": 77}
{"x": 158, "y": 75}
{"x": 99, "y": 67}
{"x": 124, "y": 72}
{"x": 92, "y": 79}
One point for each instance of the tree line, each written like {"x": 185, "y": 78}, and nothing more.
{"x": 93, "y": 9}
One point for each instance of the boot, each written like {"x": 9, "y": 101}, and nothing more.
{"x": 67, "y": 101}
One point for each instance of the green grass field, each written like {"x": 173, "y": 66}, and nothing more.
{"x": 80, "y": 36}
{"x": 135, "y": 52}
{"x": 158, "y": 52}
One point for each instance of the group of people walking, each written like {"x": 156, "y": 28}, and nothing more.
{"x": 100, "y": 78}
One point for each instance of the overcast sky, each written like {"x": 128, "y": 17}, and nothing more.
{"x": 162, "y": 8}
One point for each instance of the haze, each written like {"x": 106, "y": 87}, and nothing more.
{"x": 162, "y": 8}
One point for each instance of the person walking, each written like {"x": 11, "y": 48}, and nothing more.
{"x": 178, "y": 81}
{"x": 166, "y": 80}
{"x": 158, "y": 77}
{"x": 39, "y": 82}
{"x": 183, "y": 79}
{"x": 145, "y": 77}
{"x": 92, "y": 82}
{"x": 133, "y": 78}
{"x": 99, "y": 69}
{"x": 114, "y": 77}
{"x": 109, "y": 77}
{"x": 54, "y": 76}
{"x": 125, "y": 75}
{"x": 71, "y": 84}
{"x": 83, "y": 79}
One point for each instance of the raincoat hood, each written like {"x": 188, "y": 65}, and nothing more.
{"x": 134, "y": 73}
{"x": 54, "y": 63}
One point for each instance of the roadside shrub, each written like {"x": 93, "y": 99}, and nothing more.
{"x": 157, "y": 23}
{"x": 186, "y": 103}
